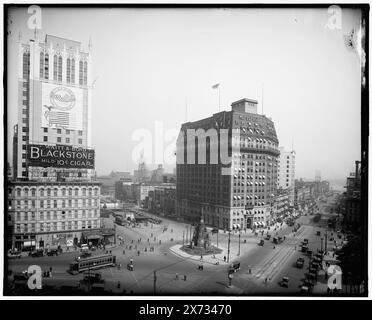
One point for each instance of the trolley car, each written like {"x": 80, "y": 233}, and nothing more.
{"x": 92, "y": 263}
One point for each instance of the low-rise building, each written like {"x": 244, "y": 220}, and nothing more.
{"x": 46, "y": 213}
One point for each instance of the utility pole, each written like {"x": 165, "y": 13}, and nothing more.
{"x": 187, "y": 234}
{"x": 228, "y": 248}
{"x": 325, "y": 243}
{"x": 218, "y": 231}
{"x": 154, "y": 281}
{"x": 183, "y": 238}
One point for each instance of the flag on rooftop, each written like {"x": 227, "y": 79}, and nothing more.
{"x": 215, "y": 86}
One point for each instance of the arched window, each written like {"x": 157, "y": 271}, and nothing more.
{"x": 72, "y": 70}
{"x": 59, "y": 68}
{"x": 55, "y": 67}
{"x": 26, "y": 65}
{"x": 85, "y": 73}
{"x": 80, "y": 72}
{"x": 68, "y": 70}
{"x": 41, "y": 64}
{"x": 46, "y": 66}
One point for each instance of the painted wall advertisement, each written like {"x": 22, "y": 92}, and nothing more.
{"x": 62, "y": 107}
{"x": 60, "y": 156}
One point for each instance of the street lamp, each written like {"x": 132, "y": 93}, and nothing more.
{"x": 239, "y": 244}
{"x": 228, "y": 247}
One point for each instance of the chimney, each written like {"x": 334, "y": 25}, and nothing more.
{"x": 245, "y": 105}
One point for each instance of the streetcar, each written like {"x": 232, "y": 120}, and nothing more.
{"x": 92, "y": 263}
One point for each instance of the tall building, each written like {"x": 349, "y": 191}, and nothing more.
{"x": 286, "y": 172}
{"x": 53, "y": 198}
{"x": 235, "y": 191}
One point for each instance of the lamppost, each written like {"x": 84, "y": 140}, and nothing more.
{"x": 239, "y": 244}
{"x": 228, "y": 247}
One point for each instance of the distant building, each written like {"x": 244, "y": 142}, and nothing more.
{"x": 234, "y": 195}
{"x": 108, "y": 181}
{"x": 351, "y": 204}
{"x": 157, "y": 174}
{"x": 286, "y": 172}
{"x": 162, "y": 200}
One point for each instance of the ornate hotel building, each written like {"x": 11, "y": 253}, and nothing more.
{"x": 234, "y": 194}
{"x": 54, "y": 200}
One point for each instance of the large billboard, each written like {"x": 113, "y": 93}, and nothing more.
{"x": 60, "y": 156}
{"x": 62, "y": 107}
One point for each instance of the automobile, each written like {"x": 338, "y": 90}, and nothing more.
{"x": 261, "y": 243}
{"x": 12, "y": 254}
{"x": 306, "y": 241}
{"x": 234, "y": 267}
{"x": 85, "y": 254}
{"x": 318, "y": 233}
{"x": 130, "y": 266}
{"x": 53, "y": 252}
{"x": 284, "y": 282}
{"x": 300, "y": 262}
{"x": 93, "y": 248}
{"x": 84, "y": 247}
{"x": 309, "y": 253}
{"x": 36, "y": 253}
{"x": 267, "y": 237}
{"x": 215, "y": 230}
{"x": 304, "y": 248}
{"x": 304, "y": 289}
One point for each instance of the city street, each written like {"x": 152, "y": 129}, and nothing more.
{"x": 261, "y": 267}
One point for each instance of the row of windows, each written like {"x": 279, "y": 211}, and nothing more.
{"x": 42, "y": 227}
{"x": 63, "y": 203}
{"x": 59, "y": 140}
{"x": 55, "y": 216}
{"x": 63, "y": 192}
{"x": 67, "y": 131}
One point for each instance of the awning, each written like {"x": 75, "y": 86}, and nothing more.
{"x": 234, "y": 225}
{"x": 94, "y": 237}
{"x": 255, "y": 223}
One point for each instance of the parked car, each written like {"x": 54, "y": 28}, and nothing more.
{"x": 53, "y": 252}
{"x": 284, "y": 282}
{"x": 13, "y": 254}
{"x": 37, "y": 253}
{"x": 234, "y": 267}
{"x": 261, "y": 243}
{"x": 300, "y": 262}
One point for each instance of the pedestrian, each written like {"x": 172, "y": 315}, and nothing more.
{"x": 184, "y": 278}
{"x": 265, "y": 280}
{"x": 110, "y": 251}
{"x": 138, "y": 252}
{"x": 176, "y": 276}
{"x": 274, "y": 247}
{"x": 123, "y": 252}
{"x": 224, "y": 258}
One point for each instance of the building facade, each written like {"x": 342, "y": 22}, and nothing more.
{"x": 53, "y": 197}
{"x": 233, "y": 185}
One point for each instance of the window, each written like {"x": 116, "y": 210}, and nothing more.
{"x": 59, "y": 139}
{"x": 54, "y": 203}
{"x": 41, "y": 64}
{"x": 45, "y": 138}
{"x": 67, "y": 140}
{"x": 85, "y": 73}
{"x": 73, "y": 71}
{"x": 68, "y": 70}
{"x": 45, "y": 129}
{"x": 59, "y": 131}
{"x": 59, "y": 68}
{"x": 55, "y": 67}
{"x": 80, "y": 133}
{"x": 26, "y": 65}
{"x": 80, "y": 141}
{"x": 55, "y": 191}
{"x": 46, "y": 66}
{"x": 67, "y": 131}
{"x": 80, "y": 72}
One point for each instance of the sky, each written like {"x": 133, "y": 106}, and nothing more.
{"x": 151, "y": 65}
